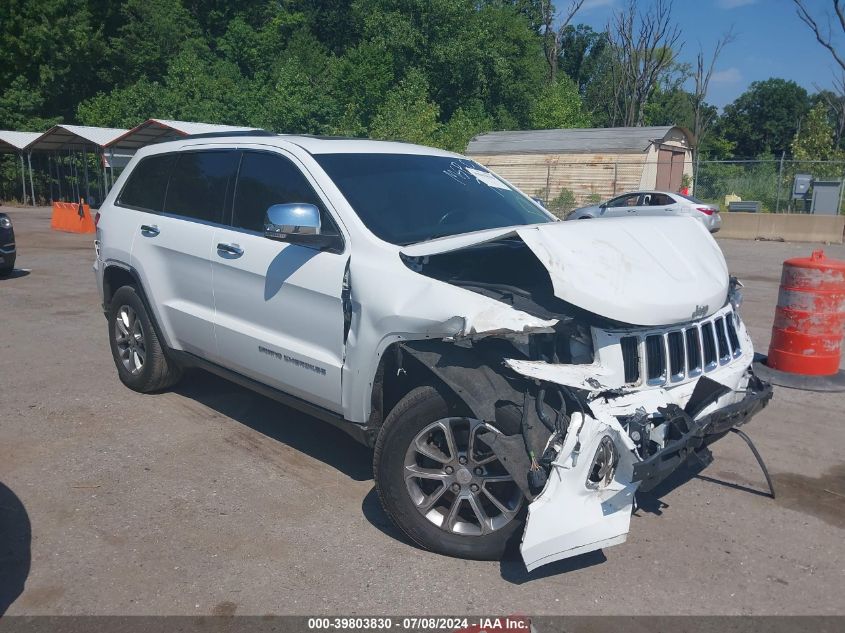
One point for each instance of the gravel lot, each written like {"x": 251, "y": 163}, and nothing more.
{"x": 210, "y": 499}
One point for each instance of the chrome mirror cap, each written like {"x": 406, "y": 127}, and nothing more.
{"x": 296, "y": 218}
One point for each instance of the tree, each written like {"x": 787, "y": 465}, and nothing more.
{"x": 552, "y": 30}
{"x": 559, "y": 106}
{"x": 581, "y": 50}
{"x": 824, "y": 36}
{"x": 407, "y": 114}
{"x": 644, "y": 46}
{"x": 703, "y": 113}
{"x": 765, "y": 118}
{"x": 815, "y": 140}
{"x": 835, "y": 100}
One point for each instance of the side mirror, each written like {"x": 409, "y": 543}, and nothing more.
{"x": 287, "y": 222}
{"x": 603, "y": 206}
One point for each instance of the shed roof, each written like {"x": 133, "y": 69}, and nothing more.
{"x": 578, "y": 140}
{"x": 74, "y": 137}
{"x": 15, "y": 141}
{"x": 158, "y": 130}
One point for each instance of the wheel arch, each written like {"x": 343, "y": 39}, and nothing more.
{"x": 469, "y": 382}
{"x": 117, "y": 275}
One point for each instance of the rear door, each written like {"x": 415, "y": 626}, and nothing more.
{"x": 278, "y": 309}
{"x": 655, "y": 203}
{"x": 171, "y": 250}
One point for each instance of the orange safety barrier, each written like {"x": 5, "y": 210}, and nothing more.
{"x": 809, "y": 317}
{"x": 72, "y": 217}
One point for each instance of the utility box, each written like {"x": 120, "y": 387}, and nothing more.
{"x": 827, "y": 195}
{"x": 801, "y": 186}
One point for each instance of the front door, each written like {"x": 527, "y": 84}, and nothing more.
{"x": 278, "y": 308}
{"x": 622, "y": 206}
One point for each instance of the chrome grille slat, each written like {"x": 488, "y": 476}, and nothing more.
{"x": 678, "y": 354}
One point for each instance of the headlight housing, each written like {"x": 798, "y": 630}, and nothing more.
{"x": 5, "y": 223}
{"x": 735, "y": 293}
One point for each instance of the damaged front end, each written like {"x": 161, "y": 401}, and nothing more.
{"x": 602, "y": 408}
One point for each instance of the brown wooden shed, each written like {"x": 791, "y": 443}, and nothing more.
{"x": 592, "y": 164}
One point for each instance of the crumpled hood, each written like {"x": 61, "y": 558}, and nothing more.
{"x": 641, "y": 271}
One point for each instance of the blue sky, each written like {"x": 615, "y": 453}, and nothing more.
{"x": 770, "y": 41}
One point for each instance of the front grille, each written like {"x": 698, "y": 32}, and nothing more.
{"x": 693, "y": 350}
{"x": 732, "y": 335}
{"x": 655, "y": 357}
{"x": 722, "y": 338}
{"x": 631, "y": 358}
{"x": 675, "y": 355}
{"x": 709, "y": 344}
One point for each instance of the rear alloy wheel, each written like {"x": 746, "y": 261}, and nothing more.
{"x": 440, "y": 483}
{"x": 129, "y": 340}
{"x": 138, "y": 355}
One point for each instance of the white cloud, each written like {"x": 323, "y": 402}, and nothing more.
{"x": 593, "y": 4}
{"x": 730, "y": 75}
{"x": 733, "y": 4}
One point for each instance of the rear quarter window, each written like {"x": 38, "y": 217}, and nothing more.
{"x": 147, "y": 183}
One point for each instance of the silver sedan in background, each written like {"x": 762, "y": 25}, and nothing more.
{"x": 651, "y": 203}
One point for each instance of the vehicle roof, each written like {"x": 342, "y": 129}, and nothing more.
{"x": 311, "y": 144}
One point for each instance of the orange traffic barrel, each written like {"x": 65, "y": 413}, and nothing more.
{"x": 809, "y": 317}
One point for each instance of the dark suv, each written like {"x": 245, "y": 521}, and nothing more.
{"x": 7, "y": 245}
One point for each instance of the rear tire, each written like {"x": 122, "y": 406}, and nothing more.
{"x": 400, "y": 434}
{"x": 139, "y": 356}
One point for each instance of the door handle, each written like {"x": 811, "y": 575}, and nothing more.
{"x": 231, "y": 249}
{"x": 150, "y": 229}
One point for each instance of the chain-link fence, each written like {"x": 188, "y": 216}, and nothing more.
{"x": 564, "y": 184}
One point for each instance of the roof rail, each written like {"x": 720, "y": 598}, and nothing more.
{"x": 228, "y": 133}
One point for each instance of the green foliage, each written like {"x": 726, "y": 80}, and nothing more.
{"x": 559, "y": 106}
{"x": 814, "y": 141}
{"x": 407, "y": 113}
{"x": 563, "y": 203}
{"x": 751, "y": 181}
{"x": 765, "y": 118}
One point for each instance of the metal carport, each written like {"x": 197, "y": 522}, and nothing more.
{"x": 160, "y": 130}
{"x": 14, "y": 143}
{"x": 77, "y": 138}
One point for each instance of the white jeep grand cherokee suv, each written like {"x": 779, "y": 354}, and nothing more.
{"x": 516, "y": 376}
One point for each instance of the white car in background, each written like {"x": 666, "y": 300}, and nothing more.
{"x": 652, "y": 203}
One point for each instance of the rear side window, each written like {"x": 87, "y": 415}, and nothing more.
{"x": 147, "y": 183}
{"x": 660, "y": 200}
{"x": 268, "y": 179}
{"x": 199, "y": 184}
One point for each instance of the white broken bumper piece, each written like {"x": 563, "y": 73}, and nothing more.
{"x": 575, "y": 513}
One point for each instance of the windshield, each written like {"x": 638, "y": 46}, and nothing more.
{"x": 407, "y": 198}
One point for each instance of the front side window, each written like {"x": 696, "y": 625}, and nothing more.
{"x": 145, "y": 187}
{"x": 407, "y": 198}
{"x": 628, "y": 200}
{"x": 267, "y": 179}
{"x": 199, "y": 184}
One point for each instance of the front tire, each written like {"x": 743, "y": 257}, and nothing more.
{"x": 139, "y": 356}
{"x": 440, "y": 484}
{"x": 8, "y": 267}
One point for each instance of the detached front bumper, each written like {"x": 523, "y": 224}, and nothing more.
{"x": 574, "y": 514}
{"x": 694, "y": 435}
